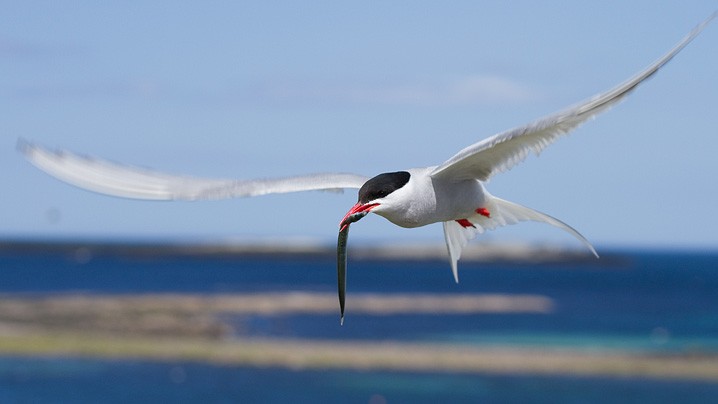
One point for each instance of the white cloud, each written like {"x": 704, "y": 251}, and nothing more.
{"x": 141, "y": 88}
{"x": 488, "y": 88}
{"x": 467, "y": 90}
{"x": 481, "y": 89}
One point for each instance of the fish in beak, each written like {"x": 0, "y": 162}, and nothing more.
{"x": 355, "y": 214}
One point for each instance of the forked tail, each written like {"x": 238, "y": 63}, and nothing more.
{"x": 502, "y": 213}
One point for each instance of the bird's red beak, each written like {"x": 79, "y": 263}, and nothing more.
{"x": 357, "y": 212}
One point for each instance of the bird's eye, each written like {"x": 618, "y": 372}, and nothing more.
{"x": 381, "y": 193}
{"x": 382, "y": 185}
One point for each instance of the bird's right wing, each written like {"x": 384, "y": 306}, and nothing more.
{"x": 502, "y": 151}
{"x": 115, "y": 179}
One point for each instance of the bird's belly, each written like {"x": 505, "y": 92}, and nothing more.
{"x": 459, "y": 200}
{"x": 448, "y": 201}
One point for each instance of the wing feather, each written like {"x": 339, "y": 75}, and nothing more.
{"x": 502, "y": 151}
{"x": 115, "y": 179}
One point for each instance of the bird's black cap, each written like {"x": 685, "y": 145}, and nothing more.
{"x": 382, "y": 185}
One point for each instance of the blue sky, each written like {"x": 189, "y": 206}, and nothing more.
{"x": 262, "y": 89}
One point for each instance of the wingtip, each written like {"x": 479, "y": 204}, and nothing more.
{"x": 711, "y": 17}
{"x": 23, "y": 146}
{"x": 341, "y": 320}
{"x": 697, "y": 30}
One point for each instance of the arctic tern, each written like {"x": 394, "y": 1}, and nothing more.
{"x": 451, "y": 193}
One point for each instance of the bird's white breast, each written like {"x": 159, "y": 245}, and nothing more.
{"x": 425, "y": 200}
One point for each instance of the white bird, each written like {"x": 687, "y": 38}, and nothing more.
{"x": 452, "y": 193}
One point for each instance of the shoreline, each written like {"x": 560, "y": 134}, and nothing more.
{"x": 366, "y": 356}
{"x": 484, "y": 252}
{"x": 176, "y": 327}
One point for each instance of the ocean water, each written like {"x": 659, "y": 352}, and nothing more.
{"x": 76, "y": 381}
{"x": 636, "y": 301}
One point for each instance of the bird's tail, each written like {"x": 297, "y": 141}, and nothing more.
{"x": 500, "y": 213}
{"x": 512, "y": 213}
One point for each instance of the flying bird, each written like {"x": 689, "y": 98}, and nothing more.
{"x": 451, "y": 193}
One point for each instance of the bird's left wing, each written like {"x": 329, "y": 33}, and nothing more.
{"x": 502, "y": 151}
{"x": 115, "y": 179}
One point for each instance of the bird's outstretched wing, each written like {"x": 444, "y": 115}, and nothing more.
{"x": 110, "y": 178}
{"x": 502, "y": 151}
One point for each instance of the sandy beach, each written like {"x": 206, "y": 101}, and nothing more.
{"x": 191, "y": 327}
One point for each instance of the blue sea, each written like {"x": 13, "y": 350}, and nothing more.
{"x": 629, "y": 300}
